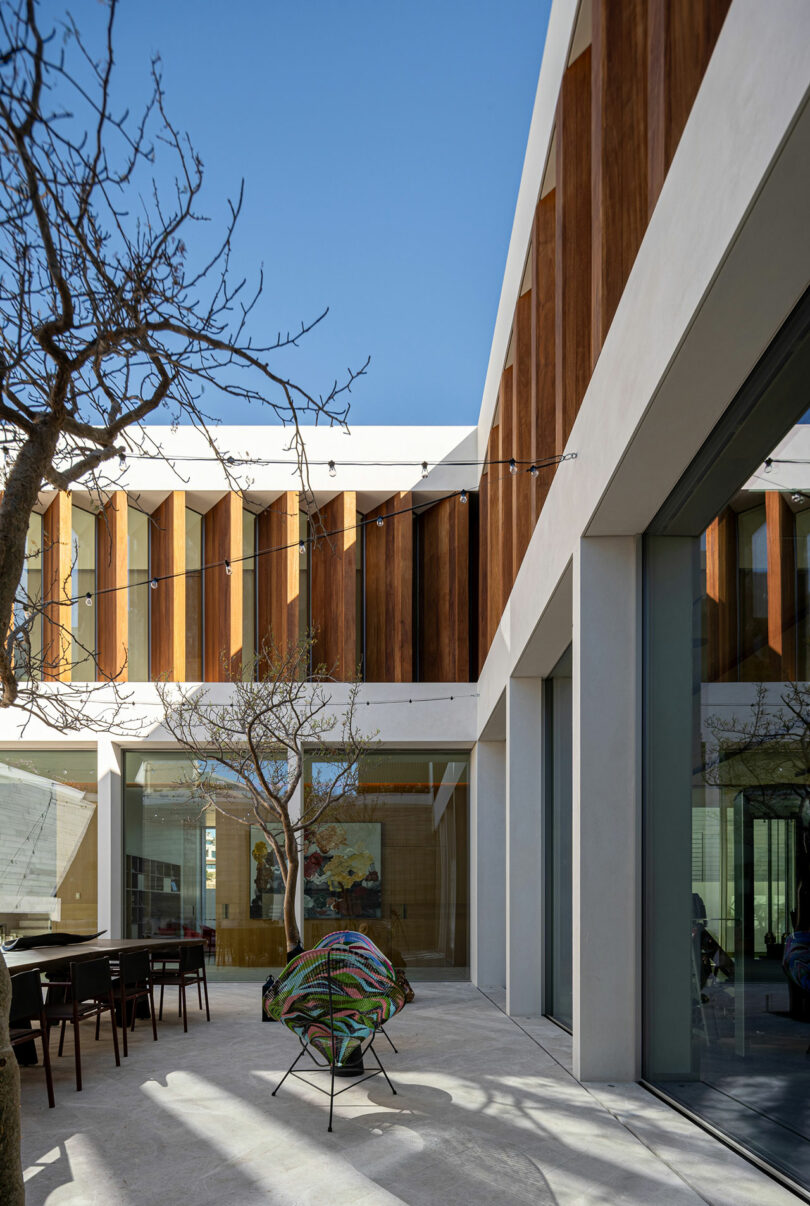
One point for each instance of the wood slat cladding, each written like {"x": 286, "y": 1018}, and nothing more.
{"x": 444, "y": 621}
{"x": 494, "y": 537}
{"x": 681, "y": 35}
{"x": 167, "y": 604}
{"x": 618, "y": 153}
{"x": 277, "y": 573}
{"x": 223, "y": 591}
{"x": 721, "y": 598}
{"x": 781, "y": 552}
{"x": 334, "y": 586}
{"x": 544, "y": 397}
{"x": 573, "y": 243}
{"x": 522, "y": 426}
{"x": 483, "y": 568}
{"x": 56, "y": 589}
{"x": 112, "y": 616}
{"x": 389, "y": 593}
{"x": 504, "y": 482}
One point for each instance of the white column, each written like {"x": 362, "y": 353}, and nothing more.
{"x": 524, "y": 848}
{"x": 488, "y": 864}
{"x": 110, "y": 838}
{"x": 606, "y": 809}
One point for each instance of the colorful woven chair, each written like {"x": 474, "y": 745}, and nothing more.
{"x": 335, "y": 999}
{"x": 353, "y": 938}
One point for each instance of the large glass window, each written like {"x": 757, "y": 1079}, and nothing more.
{"x": 194, "y": 596}
{"x": 138, "y": 569}
{"x": 248, "y": 595}
{"x": 48, "y": 842}
{"x": 393, "y": 861}
{"x": 29, "y": 598}
{"x": 727, "y": 794}
{"x": 558, "y": 820}
{"x": 83, "y": 582}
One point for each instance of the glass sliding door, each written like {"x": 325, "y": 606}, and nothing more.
{"x": 727, "y": 785}
{"x": 558, "y": 759}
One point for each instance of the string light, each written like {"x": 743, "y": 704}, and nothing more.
{"x": 512, "y": 465}
{"x": 424, "y": 470}
{"x": 416, "y": 508}
{"x": 332, "y": 469}
{"x": 768, "y": 464}
{"x": 88, "y": 599}
{"x": 122, "y": 457}
{"x": 534, "y": 471}
{"x": 154, "y": 584}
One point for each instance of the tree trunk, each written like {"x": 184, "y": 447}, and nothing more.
{"x": 12, "y": 1192}
{"x": 292, "y": 934}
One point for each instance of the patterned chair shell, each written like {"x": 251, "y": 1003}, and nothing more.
{"x": 334, "y": 998}
{"x": 353, "y": 938}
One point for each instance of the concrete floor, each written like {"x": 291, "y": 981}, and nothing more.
{"x": 486, "y": 1112}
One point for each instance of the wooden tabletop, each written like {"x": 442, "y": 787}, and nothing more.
{"x": 49, "y": 957}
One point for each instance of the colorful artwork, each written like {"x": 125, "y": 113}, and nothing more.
{"x": 342, "y": 871}
{"x": 267, "y": 886}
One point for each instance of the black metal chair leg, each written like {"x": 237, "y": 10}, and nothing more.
{"x": 46, "y": 1061}
{"x": 62, "y": 1036}
{"x": 379, "y": 1065}
{"x": 289, "y": 1070}
{"x": 331, "y": 1095}
{"x": 124, "y": 1019}
{"x": 115, "y": 1030}
{"x": 183, "y": 1007}
{"x": 152, "y": 1011}
{"x": 160, "y": 1015}
{"x": 77, "y": 1054}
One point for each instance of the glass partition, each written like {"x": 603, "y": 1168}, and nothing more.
{"x": 194, "y": 596}
{"x": 392, "y": 861}
{"x": 138, "y": 525}
{"x": 48, "y": 842}
{"x": 727, "y": 804}
{"x": 83, "y": 582}
{"x": 558, "y": 806}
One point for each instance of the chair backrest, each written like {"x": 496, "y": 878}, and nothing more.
{"x": 91, "y": 979}
{"x": 136, "y": 967}
{"x": 26, "y": 997}
{"x": 354, "y": 938}
{"x": 192, "y": 958}
{"x": 335, "y": 997}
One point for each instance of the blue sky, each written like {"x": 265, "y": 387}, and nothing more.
{"x": 381, "y": 147}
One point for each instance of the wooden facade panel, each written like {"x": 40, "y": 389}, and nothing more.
{"x": 444, "y": 654}
{"x": 56, "y": 589}
{"x": 543, "y": 344}
{"x": 389, "y": 593}
{"x": 277, "y": 573}
{"x": 523, "y": 427}
{"x": 334, "y": 587}
{"x": 681, "y": 35}
{"x": 506, "y": 486}
{"x": 573, "y": 243}
{"x": 618, "y": 153}
{"x": 721, "y": 598}
{"x": 494, "y": 537}
{"x": 781, "y": 552}
{"x": 223, "y": 590}
{"x": 483, "y": 568}
{"x": 112, "y": 574}
{"x": 168, "y": 602}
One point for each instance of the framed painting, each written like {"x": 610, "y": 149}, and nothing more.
{"x": 342, "y": 871}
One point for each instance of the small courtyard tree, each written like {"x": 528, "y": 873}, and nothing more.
{"x": 254, "y": 746}
{"x": 118, "y": 306}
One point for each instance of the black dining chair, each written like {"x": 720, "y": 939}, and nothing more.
{"x": 132, "y": 984}
{"x": 91, "y": 994}
{"x": 28, "y": 1020}
{"x": 190, "y": 970}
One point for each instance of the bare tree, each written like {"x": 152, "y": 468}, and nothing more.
{"x": 108, "y": 318}
{"x": 254, "y": 747}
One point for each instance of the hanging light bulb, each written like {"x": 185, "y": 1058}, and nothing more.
{"x": 228, "y": 569}
{"x": 154, "y": 584}
{"x": 463, "y": 496}
{"x": 122, "y": 457}
{"x": 424, "y": 470}
{"x": 798, "y": 497}
{"x": 768, "y": 464}
{"x": 512, "y": 465}
{"x": 302, "y": 548}
{"x": 88, "y": 600}
{"x": 379, "y": 521}
{"x": 534, "y": 471}
{"x": 332, "y": 469}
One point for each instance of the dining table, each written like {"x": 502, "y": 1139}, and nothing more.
{"x": 49, "y": 959}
